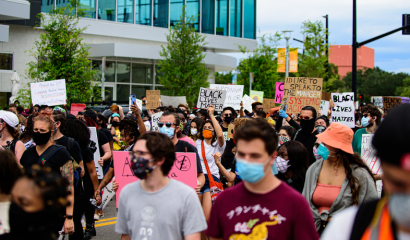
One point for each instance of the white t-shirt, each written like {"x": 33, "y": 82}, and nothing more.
{"x": 209, "y": 150}
{"x": 4, "y": 217}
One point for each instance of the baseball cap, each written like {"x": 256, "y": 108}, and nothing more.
{"x": 10, "y": 118}
{"x": 338, "y": 136}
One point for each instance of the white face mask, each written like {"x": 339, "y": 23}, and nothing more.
{"x": 194, "y": 131}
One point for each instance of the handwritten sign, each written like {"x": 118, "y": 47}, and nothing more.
{"x": 49, "y": 93}
{"x": 107, "y": 194}
{"x": 390, "y": 103}
{"x": 343, "y": 112}
{"x": 257, "y": 96}
{"x": 183, "y": 169}
{"x": 137, "y": 101}
{"x": 326, "y": 96}
{"x": 230, "y": 131}
{"x": 303, "y": 92}
{"x": 368, "y": 154}
{"x": 324, "y": 107}
{"x": 97, "y": 156}
{"x": 77, "y": 107}
{"x": 233, "y": 94}
{"x": 247, "y": 103}
{"x": 155, "y": 120}
{"x": 153, "y": 97}
{"x": 377, "y": 101}
{"x": 268, "y": 104}
{"x": 211, "y": 97}
{"x": 172, "y": 101}
{"x": 280, "y": 86}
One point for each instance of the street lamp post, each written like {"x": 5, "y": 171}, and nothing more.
{"x": 327, "y": 47}
{"x": 286, "y": 34}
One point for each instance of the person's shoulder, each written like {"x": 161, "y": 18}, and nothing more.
{"x": 231, "y": 193}
{"x": 314, "y": 166}
{"x": 291, "y": 195}
{"x": 183, "y": 189}
{"x": 130, "y": 188}
{"x": 360, "y": 131}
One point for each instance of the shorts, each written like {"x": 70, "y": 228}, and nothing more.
{"x": 206, "y": 187}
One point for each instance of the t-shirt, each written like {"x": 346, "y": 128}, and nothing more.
{"x": 107, "y": 133}
{"x": 55, "y": 162}
{"x": 88, "y": 156}
{"x": 280, "y": 214}
{"x": 209, "y": 150}
{"x": 357, "y": 140}
{"x": 75, "y": 150}
{"x": 188, "y": 140}
{"x": 4, "y": 218}
{"x": 308, "y": 140}
{"x": 180, "y": 147}
{"x": 102, "y": 139}
{"x": 145, "y": 216}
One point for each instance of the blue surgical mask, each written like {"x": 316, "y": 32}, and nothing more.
{"x": 170, "y": 132}
{"x": 365, "y": 122}
{"x": 253, "y": 172}
{"x": 323, "y": 151}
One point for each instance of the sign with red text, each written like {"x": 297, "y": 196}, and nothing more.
{"x": 303, "y": 92}
{"x": 77, "y": 107}
{"x": 368, "y": 154}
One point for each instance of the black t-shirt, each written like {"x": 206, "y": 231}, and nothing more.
{"x": 183, "y": 146}
{"x": 88, "y": 156}
{"x": 75, "y": 150}
{"x": 308, "y": 140}
{"x": 107, "y": 133}
{"x": 55, "y": 162}
{"x": 296, "y": 184}
{"x": 102, "y": 139}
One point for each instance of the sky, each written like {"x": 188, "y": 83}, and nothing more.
{"x": 374, "y": 17}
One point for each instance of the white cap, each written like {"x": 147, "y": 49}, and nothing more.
{"x": 191, "y": 115}
{"x": 10, "y": 118}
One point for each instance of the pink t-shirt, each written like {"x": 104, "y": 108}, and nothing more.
{"x": 188, "y": 140}
{"x": 281, "y": 214}
{"x": 324, "y": 196}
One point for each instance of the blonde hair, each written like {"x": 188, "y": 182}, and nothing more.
{"x": 238, "y": 122}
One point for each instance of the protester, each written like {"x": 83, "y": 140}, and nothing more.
{"x": 21, "y": 125}
{"x": 338, "y": 181}
{"x": 285, "y": 134}
{"x": 256, "y": 106}
{"x": 182, "y": 125}
{"x": 10, "y": 134}
{"x": 101, "y": 121}
{"x": 27, "y": 135}
{"x": 322, "y": 121}
{"x": 118, "y": 110}
{"x": 153, "y": 158}
{"x": 262, "y": 207}
{"x": 370, "y": 122}
{"x": 13, "y": 108}
{"x": 283, "y": 116}
{"x": 388, "y": 217}
{"x": 196, "y": 124}
{"x": 227, "y": 117}
{"x": 227, "y": 157}
{"x": 115, "y": 131}
{"x": 202, "y": 114}
{"x": 259, "y": 114}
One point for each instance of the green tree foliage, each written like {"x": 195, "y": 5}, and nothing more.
{"x": 263, "y": 63}
{"x": 223, "y": 77}
{"x": 404, "y": 91}
{"x": 183, "y": 69}
{"x": 61, "y": 54}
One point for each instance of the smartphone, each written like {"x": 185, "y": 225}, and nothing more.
{"x": 133, "y": 99}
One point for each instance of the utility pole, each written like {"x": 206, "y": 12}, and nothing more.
{"x": 354, "y": 53}
{"x": 287, "y": 33}
{"x": 327, "y": 48}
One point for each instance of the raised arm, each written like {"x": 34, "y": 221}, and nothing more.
{"x": 230, "y": 176}
{"x": 136, "y": 111}
{"x": 218, "y": 130}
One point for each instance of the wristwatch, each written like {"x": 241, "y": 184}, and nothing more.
{"x": 69, "y": 217}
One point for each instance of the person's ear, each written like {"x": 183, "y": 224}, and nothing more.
{"x": 273, "y": 157}
{"x": 160, "y": 162}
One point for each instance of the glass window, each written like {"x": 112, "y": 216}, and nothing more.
{"x": 222, "y": 17}
{"x": 157, "y": 74}
{"x": 6, "y": 61}
{"x": 161, "y": 13}
{"x": 62, "y": 3}
{"x": 123, "y": 72}
{"x": 176, "y": 11}
{"x": 140, "y": 91}
{"x": 106, "y": 10}
{"x": 46, "y": 5}
{"x": 249, "y": 20}
{"x": 109, "y": 70}
{"x": 125, "y": 11}
{"x": 208, "y": 16}
{"x": 141, "y": 73}
{"x": 192, "y": 10}
{"x": 109, "y": 93}
{"x": 123, "y": 92}
{"x": 89, "y": 8}
{"x": 235, "y": 16}
{"x": 143, "y": 12}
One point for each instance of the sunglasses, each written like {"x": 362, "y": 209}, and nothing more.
{"x": 167, "y": 124}
{"x": 228, "y": 115}
{"x": 305, "y": 118}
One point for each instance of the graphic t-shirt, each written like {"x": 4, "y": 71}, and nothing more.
{"x": 280, "y": 214}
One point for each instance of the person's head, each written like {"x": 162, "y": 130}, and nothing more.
{"x": 192, "y": 116}
{"x": 322, "y": 121}
{"x": 9, "y": 171}
{"x": 42, "y": 129}
{"x": 153, "y": 152}
{"x": 19, "y": 109}
{"x": 16, "y": 102}
{"x": 207, "y": 131}
{"x": 60, "y": 121}
{"x": 101, "y": 121}
{"x": 144, "y": 100}
{"x": 36, "y": 110}
{"x": 298, "y": 157}
{"x": 145, "y": 118}
{"x": 27, "y": 134}
{"x": 115, "y": 120}
{"x": 13, "y": 108}
{"x": 91, "y": 114}
{"x": 202, "y": 113}
{"x": 371, "y": 116}
{"x": 257, "y": 106}
{"x": 307, "y": 118}
{"x": 196, "y": 124}
{"x": 129, "y": 130}
{"x": 9, "y": 122}
{"x": 285, "y": 134}
{"x": 228, "y": 115}
{"x": 260, "y": 114}
{"x": 114, "y": 108}
{"x": 169, "y": 124}
{"x": 77, "y": 130}
{"x": 183, "y": 108}
{"x": 182, "y": 115}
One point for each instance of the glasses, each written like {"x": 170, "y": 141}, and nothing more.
{"x": 305, "y": 118}
{"x": 167, "y": 124}
{"x": 228, "y": 115}
{"x": 138, "y": 153}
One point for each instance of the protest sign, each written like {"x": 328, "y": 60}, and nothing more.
{"x": 343, "y": 112}
{"x": 77, "y": 107}
{"x": 368, "y": 154}
{"x": 257, "y": 96}
{"x": 49, "y": 93}
{"x": 377, "y": 101}
{"x": 326, "y": 96}
{"x": 233, "y": 94}
{"x": 230, "y": 130}
{"x": 280, "y": 86}
{"x": 153, "y": 97}
{"x": 107, "y": 194}
{"x": 211, "y": 97}
{"x": 324, "y": 107}
{"x": 137, "y": 101}
{"x": 94, "y": 145}
{"x": 172, "y": 101}
{"x": 183, "y": 169}
{"x": 268, "y": 104}
{"x": 155, "y": 120}
{"x": 404, "y": 100}
{"x": 247, "y": 103}
{"x": 303, "y": 92}
{"x": 389, "y": 103}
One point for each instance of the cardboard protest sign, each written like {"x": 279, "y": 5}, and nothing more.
{"x": 211, "y": 97}
{"x": 368, "y": 154}
{"x": 172, "y": 101}
{"x": 233, "y": 94}
{"x": 94, "y": 144}
{"x": 268, "y": 104}
{"x": 326, "y": 96}
{"x": 247, "y": 103}
{"x": 280, "y": 86}
{"x": 230, "y": 131}
{"x": 324, "y": 107}
{"x": 257, "y": 96}
{"x": 137, "y": 101}
{"x": 389, "y": 103}
{"x": 77, "y": 107}
{"x": 184, "y": 170}
{"x": 155, "y": 120}
{"x": 153, "y": 97}
{"x": 49, "y": 93}
{"x": 343, "y": 112}
{"x": 107, "y": 194}
{"x": 377, "y": 101}
{"x": 303, "y": 92}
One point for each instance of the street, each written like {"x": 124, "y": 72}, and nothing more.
{"x": 106, "y": 225}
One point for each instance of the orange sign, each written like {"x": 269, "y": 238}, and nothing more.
{"x": 281, "y": 59}
{"x": 293, "y": 60}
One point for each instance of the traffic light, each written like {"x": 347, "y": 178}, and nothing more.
{"x": 361, "y": 98}
{"x": 406, "y": 21}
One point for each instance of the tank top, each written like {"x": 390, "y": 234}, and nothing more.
{"x": 324, "y": 196}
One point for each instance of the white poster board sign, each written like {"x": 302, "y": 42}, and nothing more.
{"x": 247, "y": 103}
{"x": 343, "y": 112}
{"x": 209, "y": 97}
{"x": 233, "y": 94}
{"x": 378, "y": 101}
{"x": 49, "y": 93}
{"x": 137, "y": 101}
{"x": 368, "y": 154}
{"x": 107, "y": 194}
{"x": 94, "y": 140}
{"x": 324, "y": 107}
{"x": 172, "y": 101}
{"x": 155, "y": 120}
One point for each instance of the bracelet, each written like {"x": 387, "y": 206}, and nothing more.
{"x": 69, "y": 217}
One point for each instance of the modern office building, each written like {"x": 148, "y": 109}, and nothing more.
{"x": 128, "y": 35}
{"x": 341, "y": 56}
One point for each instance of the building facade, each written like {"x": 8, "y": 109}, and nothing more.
{"x": 126, "y": 36}
{"x": 341, "y": 56}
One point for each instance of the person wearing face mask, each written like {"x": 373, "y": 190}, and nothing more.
{"x": 152, "y": 158}
{"x": 388, "y": 217}
{"x": 10, "y": 133}
{"x": 182, "y": 127}
{"x": 261, "y": 206}
{"x": 196, "y": 124}
{"x": 115, "y": 131}
{"x": 228, "y": 115}
{"x": 45, "y": 153}
{"x": 285, "y": 134}
{"x": 370, "y": 122}
{"x": 338, "y": 181}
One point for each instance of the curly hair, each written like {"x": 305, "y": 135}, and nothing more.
{"x": 374, "y": 112}
{"x": 130, "y": 127}
{"x": 239, "y": 122}
{"x": 77, "y": 130}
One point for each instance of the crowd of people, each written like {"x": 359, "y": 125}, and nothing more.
{"x": 263, "y": 174}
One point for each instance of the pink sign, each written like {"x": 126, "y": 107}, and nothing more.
{"x": 77, "y": 107}
{"x": 184, "y": 170}
{"x": 280, "y": 86}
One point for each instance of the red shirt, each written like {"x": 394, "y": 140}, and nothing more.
{"x": 282, "y": 213}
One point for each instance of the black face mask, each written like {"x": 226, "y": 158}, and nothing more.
{"x": 228, "y": 119}
{"x": 41, "y": 138}
{"x": 140, "y": 167}
{"x": 307, "y": 125}
{"x": 115, "y": 124}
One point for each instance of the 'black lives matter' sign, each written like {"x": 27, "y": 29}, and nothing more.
{"x": 211, "y": 97}
{"x": 343, "y": 112}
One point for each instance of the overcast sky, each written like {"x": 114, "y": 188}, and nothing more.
{"x": 374, "y": 17}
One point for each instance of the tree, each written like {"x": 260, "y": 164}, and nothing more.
{"x": 61, "y": 54}
{"x": 404, "y": 91}
{"x": 223, "y": 78}
{"x": 183, "y": 69}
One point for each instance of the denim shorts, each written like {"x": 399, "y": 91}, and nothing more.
{"x": 206, "y": 187}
